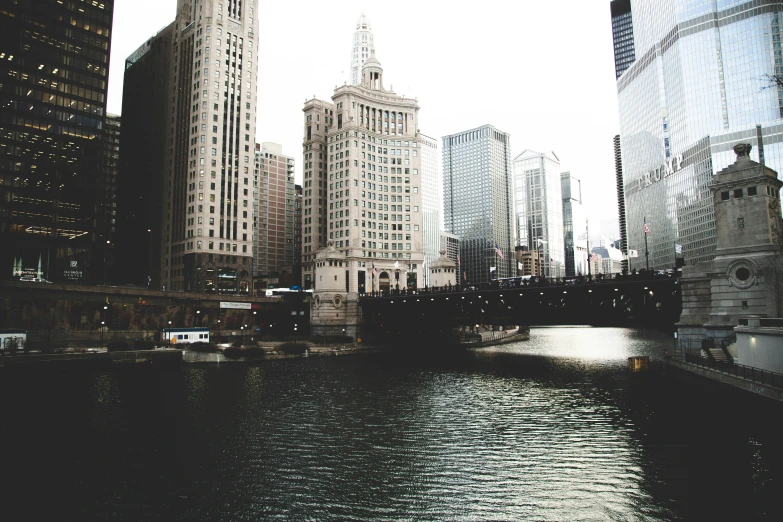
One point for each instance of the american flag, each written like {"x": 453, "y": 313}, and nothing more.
{"x": 465, "y": 275}
{"x": 551, "y": 261}
{"x": 646, "y": 228}
{"x": 457, "y": 258}
{"x": 373, "y": 269}
{"x": 498, "y": 252}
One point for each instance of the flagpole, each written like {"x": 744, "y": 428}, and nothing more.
{"x": 589, "y": 255}
{"x": 646, "y": 251}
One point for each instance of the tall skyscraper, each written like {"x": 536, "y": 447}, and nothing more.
{"x": 140, "y": 182}
{"x": 431, "y": 201}
{"x": 622, "y": 35}
{"x": 273, "y": 258}
{"x": 209, "y": 135}
{"x": 478, "y": 201}
{"x": 54, "y": 62}
{"x": 110, "y": 160}
{"x": 363, "y": 186}
{"x": 363, "y": 48}
{"x": 574, "y": 226}
{"x": 618, "y": 167}
{"x": 539, "y": 209}
{"x": 297, "y": 274}
{"x": 697, "y": 90}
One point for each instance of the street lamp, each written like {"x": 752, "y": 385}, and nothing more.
{"x": 294, "y": 333}
{"x": 168, "y": 336}
{"x": 198, "y": 314}
{"x": 105, "y": 260}
{"x": 149, "y": 258}
{"x": 218, "y": 328}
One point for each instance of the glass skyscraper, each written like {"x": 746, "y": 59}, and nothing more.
{"x": 431, "y": 202}
{"x": 539, "y": 209}
{"x": 574, "y": 226}
{"x": 622, "y": 35}
{"x": 478, "y": 201}
{"x": 697, "y": 88}
{"x": 54, "y": 62}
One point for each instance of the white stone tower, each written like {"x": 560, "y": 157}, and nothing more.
{"x": 363, "y": 48}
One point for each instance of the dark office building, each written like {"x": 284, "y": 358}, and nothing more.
{"x": 54, "y": 63}
{"x": 110, "y": 161}
{"x": 142, "y": 160}
{"x": 622, "y": 35}
{"x": 618, "y": 167}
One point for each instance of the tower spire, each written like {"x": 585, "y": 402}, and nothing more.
{"x": 363, "y": 46}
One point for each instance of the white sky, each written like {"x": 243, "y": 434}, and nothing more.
{"x": 542, "y": 71}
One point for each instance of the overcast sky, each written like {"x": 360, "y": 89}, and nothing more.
{"x": 542, "y": 71}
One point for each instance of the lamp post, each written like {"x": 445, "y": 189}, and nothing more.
{"x": 294, "y": 333}
{"x": 149, "y": 258}
{"x": 218, "y": 329}
{"x": 198, "y": 315}
{"x": 102, "y": 323}
{"x": 105, "y": 260}
{"x": 168, "y": 336}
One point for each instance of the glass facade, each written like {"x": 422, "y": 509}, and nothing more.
{"x": 539, "y": 209}
{"x": 478, "y": 204}
{"x": 54, "y": 61}
{"x": 431, "y": 202}
{"x": 696, "y": 89}
{"x": 622, "y": 35}
{"x": 574, "y": 226}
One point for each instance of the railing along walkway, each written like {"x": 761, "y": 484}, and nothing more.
{"x": 749, "y": 373}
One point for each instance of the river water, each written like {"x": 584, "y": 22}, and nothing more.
{"x": 554, "y": 428}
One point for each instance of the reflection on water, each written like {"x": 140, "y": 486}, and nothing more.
{"x": 550, "y": 429}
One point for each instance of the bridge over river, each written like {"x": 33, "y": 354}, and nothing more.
{"x": 645, "y": 299}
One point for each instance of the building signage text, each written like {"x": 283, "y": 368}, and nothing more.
{"x": 671, "y": 166}
{"x": 235, "y": 306}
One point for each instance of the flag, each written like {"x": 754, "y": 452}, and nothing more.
{"x": 646, "y": 228}
{"x": 465, "y": 275}
{"x": 519, "y": 266}
{"x": 582, "y": 236}
{"x": 633, "y": 253}
{"x": 551, "y": 261}
{"x": 457, "y": 258}
{"x": 492, "y": 268}
{"x": 397, "y": 264}
{"x": 677, "y": 248}
{"x": 373, "y": 269}
{"x": 498, "y": 252}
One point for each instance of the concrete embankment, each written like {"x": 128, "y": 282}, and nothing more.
{"x": 272, "y": 352}
{"x": 166, "y": 357}
{"x": 728, "y": 379}
{"x": 161, "y": 358}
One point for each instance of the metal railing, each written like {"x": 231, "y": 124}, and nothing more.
{"x": 538, "y": 282}
{"x": 749, "y": 373}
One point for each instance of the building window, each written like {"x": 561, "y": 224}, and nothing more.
{"x": 724, "y": 196}
{"x": 752, "y": 191}
{"x": 737, "y": 193}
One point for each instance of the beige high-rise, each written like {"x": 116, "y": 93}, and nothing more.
{"x": 362, "y": 185}
{"x": 206, "y": 229}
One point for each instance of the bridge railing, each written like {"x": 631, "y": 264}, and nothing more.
{"x": 749, "y": 373}
{"x": 538, "y": 282}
